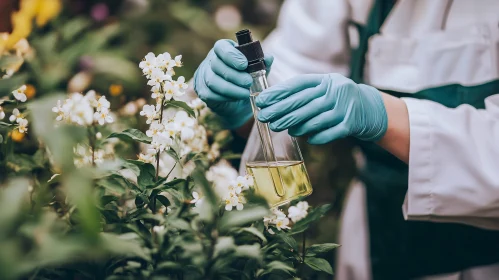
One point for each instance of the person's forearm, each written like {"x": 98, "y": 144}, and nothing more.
{"x": 397, "y": 137}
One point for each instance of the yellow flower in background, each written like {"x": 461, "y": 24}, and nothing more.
{"x": 47, "y": 10}
{"x": 17, "y": 136}
{"x": 115, "y": 89}
{"x": 22, "y": 21}
{"x": 30, "y": 91}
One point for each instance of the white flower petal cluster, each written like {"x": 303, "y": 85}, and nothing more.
{"x": 84, "y": 110}
{"x": 18, "y": 117}
{"x": 277, "y": 219}
{"x": 83, "y": 156}
{"x": 280, "y": 221}
{"x": 298, "y": 212}
{"x": 2, "y": 113}
{"x": 234, "y": 197}
{"x": 221, "y": 175}
{"x": 19, "y": 93}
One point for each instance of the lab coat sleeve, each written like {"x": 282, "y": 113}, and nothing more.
{"x": 454, "y": 163}
{"x": 310, "y": 37}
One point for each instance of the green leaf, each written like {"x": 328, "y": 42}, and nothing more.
{"x": 248, "y": 251}
{"x": 124, "y": 247}
{"x": 74, "y": 27}
{"x": 255, "y": 232}
{"x": 180, "y": 105}
{"x": 21, "y": 163}
{"x": 111, "y": 216}
{"x": 319, "y": 264}
{"x": 4, "y": 124}
{"x": 277, "y": 265}
{"x": 147, "y": 173}
{"x": 131, "y": 134}
{"x": 289, "y": 240}
{"x": 173, "y": 154}
{"x": 239, "y": 218}
{"x": 312, "y": 216}
{"x": 8, "y": 60}
{"x": 168, "y": 266}
{"x": 175, "y": 183}
{"x": 11, "y": 84}
{"x": 319, "y": 249}
{"x": 106, "y": 199}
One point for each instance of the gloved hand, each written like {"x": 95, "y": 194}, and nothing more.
{"x": 221, "y": 82}
{"x": 325, "y": 107}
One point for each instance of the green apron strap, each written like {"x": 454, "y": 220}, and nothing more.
{"x": 378, "y": 14}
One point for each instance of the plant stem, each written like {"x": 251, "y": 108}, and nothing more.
{"x": 91, "y": 140}
{"x": 303, "y": 246}
{"x": 168, "y": 175}
{"x": 157, "y": 155}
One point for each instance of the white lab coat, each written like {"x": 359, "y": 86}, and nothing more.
{"x": 454, "y": 153}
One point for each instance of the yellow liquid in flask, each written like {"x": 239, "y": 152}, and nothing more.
{"x": 280, "y": 182}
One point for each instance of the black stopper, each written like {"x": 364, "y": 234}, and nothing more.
{"x": 252, "y": 50}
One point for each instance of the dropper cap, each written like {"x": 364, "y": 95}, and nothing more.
{"x": 252, "y": 50}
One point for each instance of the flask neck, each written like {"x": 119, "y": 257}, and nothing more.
{"x": 259, "y": 82}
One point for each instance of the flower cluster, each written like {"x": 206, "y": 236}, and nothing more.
{"x": 84, "y": 110}
{"x": 280, "y": 221}
{"x": 234, "y": 197}
{"x": 17, "y": 116}
{"x": 164, "y": 130}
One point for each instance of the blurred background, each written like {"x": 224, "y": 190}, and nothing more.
{"x": 97, "y": 44}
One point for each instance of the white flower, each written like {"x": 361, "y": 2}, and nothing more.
{"x": 157, "y": 77}
{"x": 98, "y": 135}
{"x": 19, "y": 93}
{"x": 178, "y": 61}
{"x": 233, "y": 200}
{"x": 2, "y": 113}
{"x": 197, "y": 104}
{"x": 79, "y": 109}
{"x": 180, "y": 84}
{"x": 155, "y": 128}
{"x": 171, "y": 129}
{"x": 15, "y": 115}
{"x": 147, "y": 158}
{"x": 161, "y": 142}
{"x": 197, "y": 201}
{"x": 156, "y": 91}
{"x": 163, "y": 60}
{"x": 242, "y": 182}
{"x": 103, "y": 116}
{"x": 221, "y": 174}
{"x": 91, "y": 97}
{"x": 185, "y": 124}
{"x": 23, "y": 125}
{"x": 102, "y": 104}
{"x": 59, "y": 110}
{"x": 150, "y": 112}
{"x": 171, "y": 91}
{"x": 278, "y": 219}
{"x": 234, "y": 188}
{"x": 158, "y": 229}
{"x": 282, "y": 223}
{"x": 148, "y": 64}
{"x": 298, "y": 212}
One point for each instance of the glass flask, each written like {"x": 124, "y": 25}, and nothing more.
{"x": 276, "y": 164}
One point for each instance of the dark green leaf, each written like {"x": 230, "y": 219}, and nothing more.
{"x": 175, "y": 183}
{"x": 239, "y": 218}
{"x": 254, "y": 231}
{"x": 147, "y": 173}
{"x": 289, "y": 240}
{"x": 163, "y": 200}
{"x": 319, "y": 249}
{"x": 312, "y": 216}
{"x": 277, "y": 265}
{"x": 131, "y": 134}
{"x": 111, "y": 216}
{"x": 106, "y": 199}
{"x": 181, "y": 105}
{"x": 168, "y": 266}
{"x": 319, "y": 264}
{"x": 141, "y": 200}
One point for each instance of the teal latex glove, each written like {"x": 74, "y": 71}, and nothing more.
{"x": 221, "y": 82}
{"x": 325, "y": 107}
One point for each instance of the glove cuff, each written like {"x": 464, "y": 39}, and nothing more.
{"x": 378, "y": 123}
